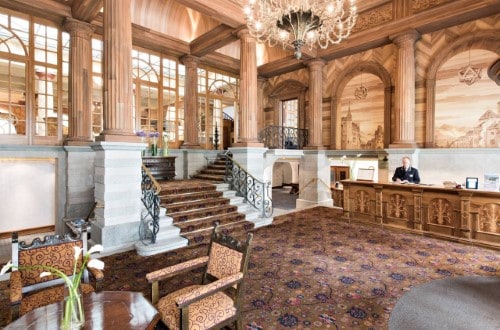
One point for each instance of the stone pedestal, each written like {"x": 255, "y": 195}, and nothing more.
{"x": 251, "y": 159}
{"x": 80, "y": 181}
{"x": 314, "y": 180}
{"x": 118, "y": 194}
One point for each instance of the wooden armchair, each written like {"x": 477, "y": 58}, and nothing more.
{"x": 27, "y": 289}
{"x": 216, "y": 302}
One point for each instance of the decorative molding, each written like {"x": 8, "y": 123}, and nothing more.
{"x": 374, "y": 17}
{"x": 362, "y": 202}
{"x": 418, "y": 6}
{"x": 489, "y": 218}
{"x": 397, "y": 207}
{"x": 440, "y": 212}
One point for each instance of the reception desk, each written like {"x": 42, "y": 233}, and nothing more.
{"x": 459, "y": 214}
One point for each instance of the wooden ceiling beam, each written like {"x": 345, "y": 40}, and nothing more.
{"x": 48, "y": 9}
{"x": 212, "y": 40}
{"x": 86, "y": 10}
{"x": 283, "y": 65}
{"x": 222, "y": 62}
{"x": 159, "y": 42}
{"x": 224, "y": 11}
{"x": 450, "y": 14}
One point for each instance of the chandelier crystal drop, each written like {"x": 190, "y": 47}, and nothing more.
{"x": 299, "y": 23}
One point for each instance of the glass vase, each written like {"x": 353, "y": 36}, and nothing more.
{"x": 73, "y": 316}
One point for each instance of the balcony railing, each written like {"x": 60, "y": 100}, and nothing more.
{"x": 282, "y": 137}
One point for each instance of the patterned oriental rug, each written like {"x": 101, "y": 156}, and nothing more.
{"x": 310, "y": 270}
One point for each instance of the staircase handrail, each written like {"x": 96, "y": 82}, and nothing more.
{"x": 150, "y": 217}
{"x": 284, "y": 137}
{"x": 253, "y": 190}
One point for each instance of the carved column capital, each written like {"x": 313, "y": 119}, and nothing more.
{"x": 405, "y": 38}
{"x": 190, "y": 60}
{"x": 78, "y": 28}
{"x": 315, "y": 64}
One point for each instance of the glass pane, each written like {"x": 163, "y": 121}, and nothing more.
{"x": 12, "y": 100}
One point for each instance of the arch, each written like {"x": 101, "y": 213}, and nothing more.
{"x": 11, "y": 42}
{"x": 487, "y": 40}
{"x": 341, "y": 81}
{"x": 286, "y": 90}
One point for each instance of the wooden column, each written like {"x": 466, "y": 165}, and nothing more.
{"x": 190, "y": 103}
{"x": 314, "y": 112}
{"x": 118, "y": 116}
{"x": 404, "y": 129}
{"x": 260, "y": 105}
{"x": 248, "y": 131}
{"x": 80, "y": 82}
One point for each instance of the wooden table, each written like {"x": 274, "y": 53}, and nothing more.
{"x": 160, "y": 167}
{"x": 103, "y": 310}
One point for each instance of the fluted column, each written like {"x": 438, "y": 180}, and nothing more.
{"x": 80, "y": 82}
{"x": 404, "y": 129}
{"x": 190, "y": 103}
{"x": 260, "y": 104}
{"x": 118, "y": 116}
{"x": 248, "y": 131}
{"x": 314, "y": 112}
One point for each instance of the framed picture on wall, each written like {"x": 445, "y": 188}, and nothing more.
{"x": 471, "y": 183}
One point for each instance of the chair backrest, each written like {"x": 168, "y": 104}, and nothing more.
{"x": 227, "y": 256}
{"x": 54, "y": 250}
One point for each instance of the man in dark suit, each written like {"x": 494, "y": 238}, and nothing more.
{"x": 406, "y": 173}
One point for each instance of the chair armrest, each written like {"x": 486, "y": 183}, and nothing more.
{"x": 16, "y": 285}
{"x": 207, "y": 290}
{"x": 170, "y": 271}
{"x": 98, "y": 276}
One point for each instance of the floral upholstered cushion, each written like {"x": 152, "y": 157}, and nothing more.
{"x": 60, "y": 256}
{"x": 223, "y": 261}
{"x": 48, "y": 296}
{"x": 203, "y": 314}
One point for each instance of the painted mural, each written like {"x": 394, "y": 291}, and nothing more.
{"x": 467, "y": 115}
{"x": 362, "y": 113}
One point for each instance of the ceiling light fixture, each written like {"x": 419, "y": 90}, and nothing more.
{"x": 469, "y": 74}
{"x": 297, "y": 23}
{"x": 361, "y": 92}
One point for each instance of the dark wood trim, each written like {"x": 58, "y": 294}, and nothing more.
{"x": 29, "y": 231}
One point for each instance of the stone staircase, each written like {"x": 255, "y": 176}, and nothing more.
{"x": 190, "y": 208}
{"x": 195, "y": 206}
{"x": 214, "y": 171}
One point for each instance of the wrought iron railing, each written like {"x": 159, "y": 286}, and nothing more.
{"x": 282, "y": 137}
{"x": 254, "y": 191}
{"x": 150, "y": 216}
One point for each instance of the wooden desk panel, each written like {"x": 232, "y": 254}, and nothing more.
{"x": 160, "y": 167}
{"x": 460, "y": 214}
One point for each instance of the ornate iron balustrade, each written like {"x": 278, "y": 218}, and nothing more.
{"x": 150, "y": 217}
{"x": 282, "y": 137}
{"x": 254, "y": 191}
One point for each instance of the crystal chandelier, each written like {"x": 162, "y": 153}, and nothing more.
{"x": 469, "y": 74}
{"x": 297, "y": 23}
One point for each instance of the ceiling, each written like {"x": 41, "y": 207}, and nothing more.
{"x": 208, "y": 29}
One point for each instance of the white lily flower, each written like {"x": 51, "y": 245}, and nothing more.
{"x": 358, "y": 155}
{"x": 96, "y": 248}
{"x": 78, "y": 250}
{"x": 96, "y": 263}
{"x": 43, "y": 274}
{"x": 6, "y": 268}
